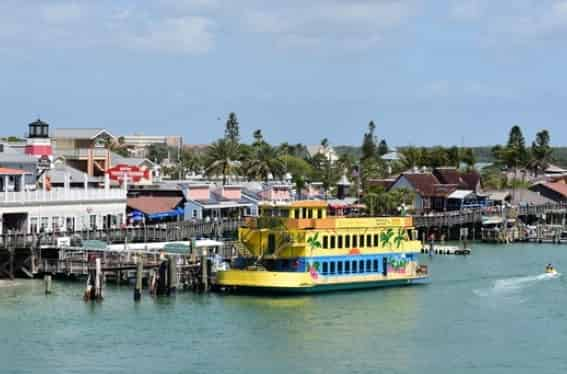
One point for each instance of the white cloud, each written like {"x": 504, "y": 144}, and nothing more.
{"x": 186, "y": 35}
{"x": 355, "y": 23}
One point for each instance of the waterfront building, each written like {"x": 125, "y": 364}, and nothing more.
{"x": 61, "y": 209}
{"x": 326, "y": 151}
{"x": 12, "y": 158}
{"x": 206, "y": 201}
{"x": 84, "y": 149}
{"x": 137, "y": 144}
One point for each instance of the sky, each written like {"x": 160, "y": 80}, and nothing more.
{"x": 426, "y": 72}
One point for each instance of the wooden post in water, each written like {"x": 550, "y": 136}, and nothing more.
{"x": 172, "y": 278}
{"x": 204, "y": 271}
{"x": 47, "y": 281}
{"x": 98, "y": 280}
{"x": 139, "y": 274}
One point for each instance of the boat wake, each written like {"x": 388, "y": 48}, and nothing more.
{"x": 509, "y": 285}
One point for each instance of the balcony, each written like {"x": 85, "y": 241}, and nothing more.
{"x": 61, "y": 195}
{"x": 83, "y": 153}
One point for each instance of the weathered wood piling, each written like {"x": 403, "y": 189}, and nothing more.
{"x": 139, "y": 275}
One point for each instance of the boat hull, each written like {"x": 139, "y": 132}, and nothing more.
{"x": 302, "y": 283}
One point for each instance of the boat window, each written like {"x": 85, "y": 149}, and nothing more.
{"x": 347, "y": 267}
{"x": 332, "y": 271}
{"x": 361, "y": 266}
{"x": 340, "y": 267}
{"x": 355, "y": 267}
{"x": 325, "y": 268}
{"x": 325, "y": 242}
{"x": 354, "y": 241}
{"x": 361, "y": 240}
{"x": 368, "y": 266}
{"x": 339, "y": 241}
{"x": 333, "y": 242}
{"x": 347, "y": 241}
{"x": 375, "y": 265}
{"x": 369, "y": 240}
{"x": 376, "y": 240}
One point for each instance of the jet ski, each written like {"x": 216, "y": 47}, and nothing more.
{"x": 549, "y": 269}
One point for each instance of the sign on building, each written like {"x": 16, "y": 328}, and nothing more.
{"x": 130, "y": 173}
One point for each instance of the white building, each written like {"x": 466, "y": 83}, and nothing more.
{"x": 60, "y": 209}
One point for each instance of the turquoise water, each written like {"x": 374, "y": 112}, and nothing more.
{"x": 492, "y": 312}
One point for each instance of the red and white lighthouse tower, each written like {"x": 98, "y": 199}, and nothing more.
{"x": 38, "y": 144}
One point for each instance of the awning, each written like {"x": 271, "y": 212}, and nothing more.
{"x": 168, "y": 214}
{"x": 460, "y": 194}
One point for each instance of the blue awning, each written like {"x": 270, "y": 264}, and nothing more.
{"x": 168, "y": 214}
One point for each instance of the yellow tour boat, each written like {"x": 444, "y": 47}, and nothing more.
{"x": 298, "y": 248}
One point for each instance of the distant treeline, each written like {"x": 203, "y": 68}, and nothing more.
{"x": 482, "y": 154}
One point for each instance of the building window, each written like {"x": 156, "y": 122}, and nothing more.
{"x": 361, "y": 237}
{"x": 34, "y": 225}
{"x": 325, "y": 268}
{"x": 92, "y": 221}
{"x": 340, "y": 241}
{"x": 44, "y": 224}
{"x": 376, "y": 240}
{"x": 354, "y": 241}
{"x": 347, "y": 241}
{"x": 325, "y": 242}
{"x": 369, "y": 240}
{"x": 333, "y": 242}
{"x": 55, "y": 224}
{"x": 332, "y": 271}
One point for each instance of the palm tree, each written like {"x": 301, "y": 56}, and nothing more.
{"x": 265, "y": 161}
{"x": 411, "y": 157}
{"x": 222, "y": 158}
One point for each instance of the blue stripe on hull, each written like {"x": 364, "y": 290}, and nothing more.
{"x": 320, "y": 288}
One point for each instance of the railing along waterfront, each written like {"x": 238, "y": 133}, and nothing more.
{"x": 178, "y": 231}
{"x": 472, "y": 216}
{"x": 62, "y": 195}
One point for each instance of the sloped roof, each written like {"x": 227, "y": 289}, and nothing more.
{"x": 470, "y": 180}
{"x": 79, "y": 133}
{"x": 385, "y": 183}
{"x": 116, "y": 159}
{"x": 154, "y": 204}
{"x": 447, "y": 175}
{"x": 427, "y": 185}
{"x": 558, "y": 187}
{"x": 57, "y": 175}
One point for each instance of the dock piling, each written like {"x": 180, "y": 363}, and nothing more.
{"x": 172, "y": 278}
{"x": 204, "y": 271}
{"x": 98, "y": 279}
{"x": 47, "y": 281}
{"x": 139, "y": 274}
